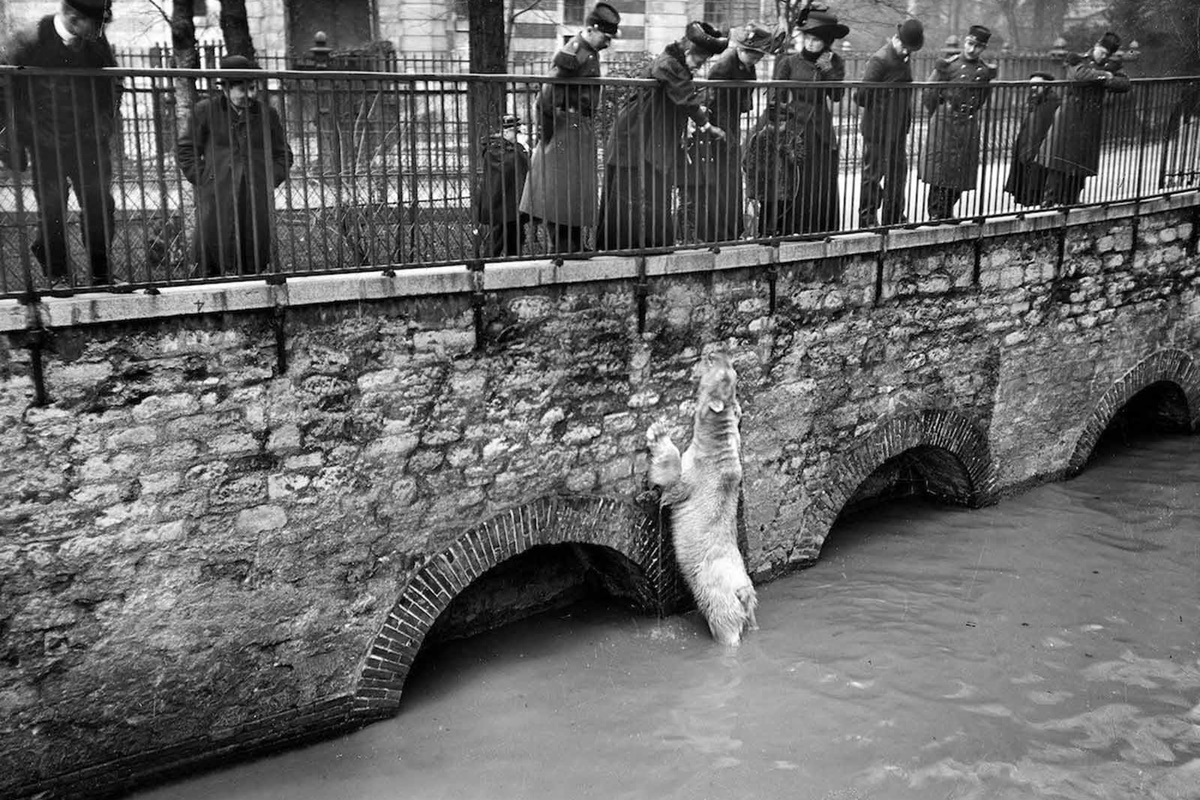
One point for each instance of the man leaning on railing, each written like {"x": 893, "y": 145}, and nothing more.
{"x": 64, "y": 126}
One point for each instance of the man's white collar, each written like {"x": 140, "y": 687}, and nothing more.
{"x": 61, "y": 29}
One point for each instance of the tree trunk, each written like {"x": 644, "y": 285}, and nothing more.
{"x": 235, "y": 27}
{"x": 485, "y": 101}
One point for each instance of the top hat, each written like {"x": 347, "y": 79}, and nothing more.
{"x": 604, "y": 18}
{"x": 706, "y": 38}
{"x": 1110, "y": 42}
{"x": 912, "y": 34}
{"x": 98, "y": 10}
{"x": 824, "y": 25}
{"x": 755, "y": 36}
{"x": 237, "y": 62}
{"x": 979, "y": 33}
{"x": 510, "y": 121}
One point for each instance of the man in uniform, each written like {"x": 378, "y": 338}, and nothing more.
{"x": 886, "y": 118}
{"x": 1071, "y": 151}
{"x": 950, "y": 162}
{"x": 562, "y": 184}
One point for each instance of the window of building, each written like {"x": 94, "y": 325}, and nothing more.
{"x": 726, "y": 13}
{"x": 573, "y": 12}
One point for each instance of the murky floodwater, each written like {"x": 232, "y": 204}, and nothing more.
{"x": 1047, "y": 647}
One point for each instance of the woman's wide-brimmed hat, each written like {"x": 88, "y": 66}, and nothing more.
{"x": 706, "y": 38}
{"x": 824, "y": 25}
{"x": 755, "y": 36}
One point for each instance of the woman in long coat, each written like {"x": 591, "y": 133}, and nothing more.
{"x": 716, "y": 197}
{"x": 1071, "y": 151}
{"x": 646, "y": 157}
{"x": 561, "y": 188}
{"x": 234, "y": 152}
{"x": 813, "y": 206}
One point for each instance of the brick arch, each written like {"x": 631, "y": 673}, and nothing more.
{"x": 946, "y": 431}
{"x": 1170, "y": 366}
{"x": 616, "y": 524}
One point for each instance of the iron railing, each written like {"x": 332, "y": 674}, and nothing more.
{"x": 394, "y": 170}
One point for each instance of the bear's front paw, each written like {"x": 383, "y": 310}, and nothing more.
{"x": 655, "y": 434}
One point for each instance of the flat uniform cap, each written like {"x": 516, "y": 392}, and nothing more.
{"x": 911, "y": 33}
{"x": 99, "y": 10}
{"x": 604, "y": 18}
{"x": 706, "y": 38}
{"x": 980, "y": 33}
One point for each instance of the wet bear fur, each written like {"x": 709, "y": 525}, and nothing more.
{"x": 701, "y": 489}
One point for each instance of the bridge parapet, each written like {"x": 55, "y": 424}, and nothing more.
{"x": 232, "y": 493}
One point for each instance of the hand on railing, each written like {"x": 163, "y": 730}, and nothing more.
{"x": 713, "y": 130}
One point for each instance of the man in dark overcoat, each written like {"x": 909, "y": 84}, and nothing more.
{"x": 1071, "y": 151}
{"x": 234, "y": 152}
{"x": 64, "y": 128}
{"x": 950, "y": 161}
{"x": 716, "y": 198}
{"x": 646, "y": 154}
{"x": 1026, "y": 178}
{"x": 886, "y": 119}
{"x": 562, "y": 185}
{"x": 495, "y": 205}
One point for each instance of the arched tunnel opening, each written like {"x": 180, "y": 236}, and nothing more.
{"x": 1161, "y": 408}
{"x": 923, "y": 472}
{"x": 542, "y": 579}
{"x": 523, "y": 599}
{"x": 918, "y": 476}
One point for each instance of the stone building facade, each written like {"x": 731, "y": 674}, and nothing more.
{"x": 424, "y": 27}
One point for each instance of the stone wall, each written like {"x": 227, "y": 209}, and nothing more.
{"x": 244, "y": 506}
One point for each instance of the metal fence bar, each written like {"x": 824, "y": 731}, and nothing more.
{"x": 391, "y": 169}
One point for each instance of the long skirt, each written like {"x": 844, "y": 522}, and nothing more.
{"x": 636, "y": 209}
{"x": 562, "y": 183}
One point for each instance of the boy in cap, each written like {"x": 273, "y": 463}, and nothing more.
{"x": 562, "y": 184}
{"x": 886, "y": 119}
{"x": 234, "y": 152}
{"x": 497, "y": 196}
{"x": 1026, "y": 178}
{"x": 1071, "y": 151}
{"x": 950, "y": 161}
{"x": 64, "y": 124}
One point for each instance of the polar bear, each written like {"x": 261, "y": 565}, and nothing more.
{"x": 702, "y": 490}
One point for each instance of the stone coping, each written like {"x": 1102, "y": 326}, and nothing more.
{"x": 94, "y": 308}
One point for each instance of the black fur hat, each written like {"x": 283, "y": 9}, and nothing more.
{"x": 1110, "y": 42}
{"x": 706, "y": 38}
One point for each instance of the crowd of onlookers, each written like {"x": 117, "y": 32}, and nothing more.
{"x": 673, "y": 144}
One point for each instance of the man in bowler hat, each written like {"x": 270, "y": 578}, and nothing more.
{"x": 64, "y": 125}
{"x": 233, "y": 151}
{"x": 959, "y": 91}
{"x": 886, "y": 119}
